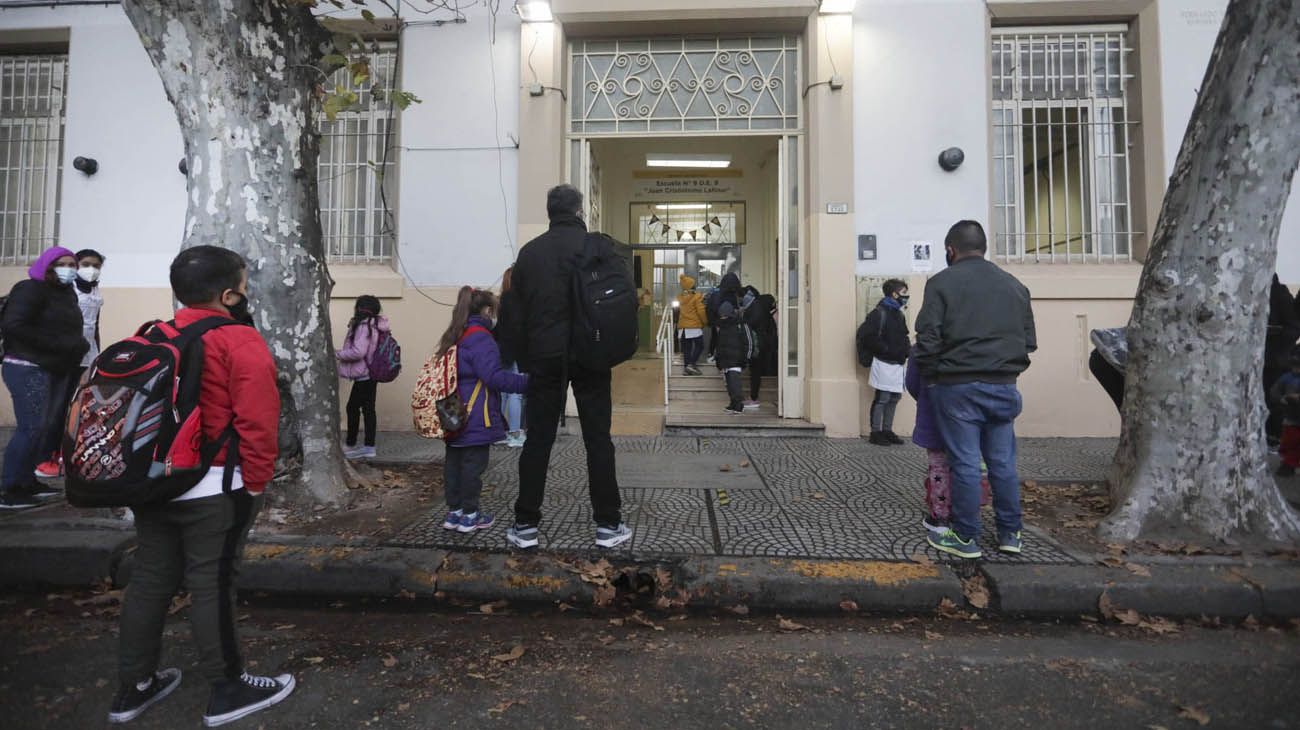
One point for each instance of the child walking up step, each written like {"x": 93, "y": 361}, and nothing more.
{"x": 480, "y": 381}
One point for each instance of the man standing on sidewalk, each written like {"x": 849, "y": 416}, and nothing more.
{"x": 542, "y": 281}
{"x": 973, "y": 338}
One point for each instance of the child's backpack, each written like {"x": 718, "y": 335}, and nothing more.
{"x": 865, "y": 354}
{"x": 134, "y": 433}
{"x": 385, "y": 360}
{"x": 436, "y": 405}
{"x": 605, "y": 304}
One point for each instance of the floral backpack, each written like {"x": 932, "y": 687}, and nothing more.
{"x": 436, "y": 405}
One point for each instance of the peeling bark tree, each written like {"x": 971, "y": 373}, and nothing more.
{"x": 241, "y": 75}
{"x": 1191, "y": 460}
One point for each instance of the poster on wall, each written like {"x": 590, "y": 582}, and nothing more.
{"x": 921, "y": 261}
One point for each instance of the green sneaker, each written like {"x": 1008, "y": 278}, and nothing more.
{"x": 1010, "y": 542}
{"x": 949, "y": 542}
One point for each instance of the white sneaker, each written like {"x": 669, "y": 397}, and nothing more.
{"x": 360, "y": 452}
{"x": 608, "y": 537}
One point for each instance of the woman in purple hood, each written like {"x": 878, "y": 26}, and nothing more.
{"x": 43, "y": 347}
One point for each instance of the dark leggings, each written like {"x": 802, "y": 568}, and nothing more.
{"x": 362, "y": 403}
{"x": 882, "y": 410}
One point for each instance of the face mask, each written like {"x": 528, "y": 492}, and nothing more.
{"x": 240, "y": 310}
{"x": 66, "y": 274}
{"x": 88, "y": 273}
{"x": 903, "y": 300}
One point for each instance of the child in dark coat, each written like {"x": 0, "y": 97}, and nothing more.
{"x": 480, "y": 380}
{"x": 938, "y": 479}
{"x": 735, "y": 347}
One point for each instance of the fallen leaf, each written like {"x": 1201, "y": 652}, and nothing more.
{"x": 1105, "y": 607}
{"x": 314, "y": 659}
{"x": 403, "y": 706}
{"x": 390, "y": 661}
{"x": 604, "y": 595}
{"x": 848, "y": 605}
{"x": 180, "y": 603}
{"x": 490, "y": 608}
{"x": 284, "y": 627}
{"x": 678, "y": 617}
{"x": 606, "y": 639}
{"x": 819, "y": 495}
{"x": 512, "y": 563}
{"x": 1128, "y": 617}
{"x": 565, "y": 607}
{"x": 616, "y": 622}
{"x": 1251, "y": 623}
{"x": 514, "y": 655}
{"x": 1194, "y": 714}
{"x": 932, "y": 635}
{"x": 101, "y": 682}
{"x": 948, "y": 609}
{"x": 1136, "y": 569}
{"x": 501, "y": 708}
{"x": 786, "y": 624}
{"x": 921, "y": 559}
{"x": 744, "y": 464}
{"x": 976, "y": 591}
{"x": 725, "y": 467}
{"x": 1159, "y": 625}
{"x": 663, "y": 579}
{"x": 739, "y": 609}
{"x": 637, "y": 618}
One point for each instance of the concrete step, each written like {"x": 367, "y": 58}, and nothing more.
{"x": 713, "y": 406}
{"x": 710, "y": 399}
{"x": 742, "y": 426}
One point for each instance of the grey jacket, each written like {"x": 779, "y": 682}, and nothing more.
{"x": 976, "y": 325}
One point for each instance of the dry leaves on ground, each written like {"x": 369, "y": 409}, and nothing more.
{"x": 180, "y": 603}
{"x": 921, "y": 559}
{"x": 514, "y": 655}
{"x": 848, "y": 605}
{"x": 390, "y": 661}
{"x": 640, "y": 620}
{"x": 739, "y": 609}
{"x": 1136, "y": 569}
{"x": 976, "y": 590}
{"x": 786, "y": 624}
{"x": 1194, "y": 714}
{"x": 493, "y": 607}
{"x": 725, "y": 467}
{"x": 932, "y": 635}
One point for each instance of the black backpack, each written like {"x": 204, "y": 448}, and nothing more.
{"x": 865, "y": 356}
{"x": 134, "y": 433}
{"x": 605, "y": 304}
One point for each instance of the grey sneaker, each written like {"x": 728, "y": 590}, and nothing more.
{"x": 608, "y": 537}
{"x": 132, "y": 700}
{"x": 523, "y": 536}
{"x": 1010, "y": 542}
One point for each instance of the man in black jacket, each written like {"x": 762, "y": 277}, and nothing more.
{"x": 539, "y": 338}
{"x": 973, "y": 339}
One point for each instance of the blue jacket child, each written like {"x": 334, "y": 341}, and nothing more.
{"x": 480, "y": 381}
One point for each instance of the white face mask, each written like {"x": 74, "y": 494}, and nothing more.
{"x": 88, "y": 273}
{"x": 66, "y": 274}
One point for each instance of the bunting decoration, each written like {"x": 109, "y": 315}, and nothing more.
{"x": 716, "y": 228}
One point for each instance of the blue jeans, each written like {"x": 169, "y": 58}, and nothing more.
{"x": 30, "y": 389}
{"x": 513, "y": 405}
{"x": 979, "y": 419}
{"x": 692, "y": 348}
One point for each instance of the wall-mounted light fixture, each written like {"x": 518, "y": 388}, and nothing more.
{"x": 951, "y": 159}
{"x": 534, "y": 11}
{"x": 184, "y": 167}
{"x": 836, "y": 7}
{"x": 87, "y": 165}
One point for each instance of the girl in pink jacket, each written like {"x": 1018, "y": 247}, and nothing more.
{"x": 358, "y": 346}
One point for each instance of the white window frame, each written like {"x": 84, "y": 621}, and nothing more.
{"x": 358, "y": 220}
{"x": 33, "y": 95}
{"x": 1097, "y": 95}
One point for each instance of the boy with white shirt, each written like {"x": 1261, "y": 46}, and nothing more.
{"x": 199, "y": 536}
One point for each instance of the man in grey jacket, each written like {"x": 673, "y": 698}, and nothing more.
{"x": 973, "y": 339}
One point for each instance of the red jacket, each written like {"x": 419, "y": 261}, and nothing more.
{"x": 239, "y": 381}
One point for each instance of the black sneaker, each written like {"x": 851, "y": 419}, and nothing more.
{"x": 877, "y": 438}
{"x": 38, "y": 491}
{"x": 16, "y": 499}
{"x": 132, "y": 700}
{"x": 234, "y": 699}
{"x": 892, "y": 438}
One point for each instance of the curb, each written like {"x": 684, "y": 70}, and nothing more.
{"x": 84, "y": 553}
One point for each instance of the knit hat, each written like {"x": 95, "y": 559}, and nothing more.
{"x": 686, "y": 281}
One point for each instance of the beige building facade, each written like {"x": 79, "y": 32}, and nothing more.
{"x": 794, "y": 142}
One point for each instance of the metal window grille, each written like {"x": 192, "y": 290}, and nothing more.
{"x": 356, "y": 179}
{"x": 32, "y": 93}
{"x": 685, "y": 85}
{"x": 1062, "y": 136}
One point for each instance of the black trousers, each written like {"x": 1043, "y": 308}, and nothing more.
{"x": 1110, "y": 379}
{"x": 56, "y": 413}
{"x": 361, "y": 402}
{"x": 546, "y": 396}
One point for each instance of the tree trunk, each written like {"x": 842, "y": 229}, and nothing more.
{"x": 1192, "y": 456}
{"x": 240, "y": 74}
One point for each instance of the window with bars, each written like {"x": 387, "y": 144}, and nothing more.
{"x": 32, "y": 93}
{"x": 1062, "y": 140}
{"x": 358, "y": 159}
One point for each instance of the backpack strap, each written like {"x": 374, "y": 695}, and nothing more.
{"x": 472, "y": 330}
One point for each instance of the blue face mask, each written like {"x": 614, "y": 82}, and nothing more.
{"x": 66, "y": 274}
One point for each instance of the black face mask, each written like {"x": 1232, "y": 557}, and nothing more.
{"x": 902, "y": 301}
{"x": 240, "y": 311}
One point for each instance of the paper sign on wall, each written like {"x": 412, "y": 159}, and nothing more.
{"x": 921, "y": 261}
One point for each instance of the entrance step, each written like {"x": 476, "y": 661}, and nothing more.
{"x": 743, "y": 426}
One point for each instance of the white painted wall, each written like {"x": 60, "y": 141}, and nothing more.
{"x": 921, "y": 87}
{"x": 133, "y": 209}
{"x": 1188, "y": 29}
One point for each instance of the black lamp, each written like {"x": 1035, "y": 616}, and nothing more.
{"x": 87, "y": 165}
{"x": 951, "y": 159}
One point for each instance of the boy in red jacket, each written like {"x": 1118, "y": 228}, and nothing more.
{"x": 199, "y": 536}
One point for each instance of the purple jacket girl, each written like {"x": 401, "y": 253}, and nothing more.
{"x": 926, "y": 431}
{"x": 481, "y": 380}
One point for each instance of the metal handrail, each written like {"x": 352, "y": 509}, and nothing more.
{"x": 665, "y": 340}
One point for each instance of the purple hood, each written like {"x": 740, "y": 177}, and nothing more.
{"x": 38, "y": 270}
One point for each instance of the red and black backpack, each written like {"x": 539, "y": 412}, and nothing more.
{"x": 134, "y": 434}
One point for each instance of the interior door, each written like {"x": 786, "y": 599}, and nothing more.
{"x": 790, "y": 279}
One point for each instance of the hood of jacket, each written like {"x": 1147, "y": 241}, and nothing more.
{"x": 730, "y": 283}
{"x": 43, "y": 263}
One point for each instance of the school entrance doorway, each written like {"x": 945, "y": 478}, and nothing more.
{"x": 702, "y": 208}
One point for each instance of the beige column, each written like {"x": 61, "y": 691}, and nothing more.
{"x": 833, "y": 393}
{"x": 541, "y": 122}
